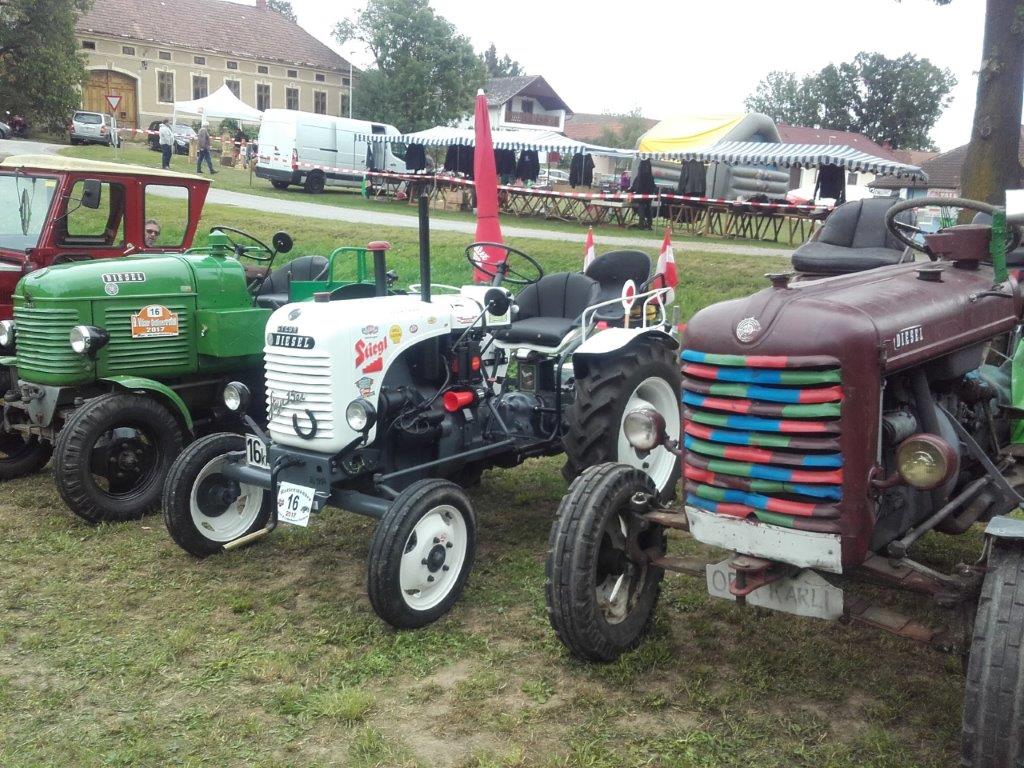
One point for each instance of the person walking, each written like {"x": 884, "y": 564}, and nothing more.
{"x": 166, "y": 144}
{"x": 204, "y": 150}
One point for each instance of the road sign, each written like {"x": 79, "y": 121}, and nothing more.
{"x": 113, "y": 100}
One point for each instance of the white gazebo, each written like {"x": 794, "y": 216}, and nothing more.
{"x": 219, "y": 105}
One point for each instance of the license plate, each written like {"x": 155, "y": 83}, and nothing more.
{"x": 256, "y": 452}
{"x": 294, "y": 503}
{"x": 806, "y": 594}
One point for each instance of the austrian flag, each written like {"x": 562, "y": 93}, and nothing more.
{"x": 588, "y": 250}
{"x": 666, "y": 268}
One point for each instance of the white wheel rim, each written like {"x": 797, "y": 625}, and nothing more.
{"x": 237, "y": 519}
{"x": 616, "y": 592}
{"x": 657, "y": 394}
{"x": 433, "y": 557}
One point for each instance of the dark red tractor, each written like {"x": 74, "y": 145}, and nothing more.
{"x": 828, "y": 425}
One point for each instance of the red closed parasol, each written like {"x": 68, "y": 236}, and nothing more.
{"x": 488, "y": 229}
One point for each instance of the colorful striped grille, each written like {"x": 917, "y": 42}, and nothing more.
{"x": 762, "y": 437}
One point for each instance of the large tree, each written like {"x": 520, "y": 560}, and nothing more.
{"x": 284, "y": 7}
{"x": 425, "y": 73}
{"x": 630, "y": 127}
{"x": 506, "y": 66}
{"x": 889, "y": 100}
{"x": 41, "y": 68}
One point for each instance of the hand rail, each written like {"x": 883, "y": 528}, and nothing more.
{"x": 655, "y": 295}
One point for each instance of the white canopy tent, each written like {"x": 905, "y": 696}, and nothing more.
{"x": 219, "y": 105}
{"x": 541, "y": 141}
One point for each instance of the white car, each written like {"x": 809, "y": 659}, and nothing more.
{"x": 92, "y": 128}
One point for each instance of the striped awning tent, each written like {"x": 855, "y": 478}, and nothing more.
{"x": 541, "y": 141}
{"x": 788, "y": 155}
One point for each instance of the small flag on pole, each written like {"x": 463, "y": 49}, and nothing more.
{"x": 588, "y": 250}
{"x": 666, "y": 268}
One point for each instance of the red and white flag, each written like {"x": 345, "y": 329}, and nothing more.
{"x": 588, "y": 250}
{"x": 666, "y": 268}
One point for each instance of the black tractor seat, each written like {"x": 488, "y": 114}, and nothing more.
{"x": 274, "y": 291}
{"x": 549, "y": 309}
{"x": 853, "y": 238}
{"x": 612, "y": 270}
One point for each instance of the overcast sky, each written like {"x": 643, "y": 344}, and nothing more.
{"x": 700, "y": 58}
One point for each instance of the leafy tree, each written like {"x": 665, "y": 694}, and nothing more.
{"x": 506, "y": 66}
{"x": 894, "y": 100}
{"x": 41, "y": 68}
{"x": 425, "y": 73}
{"x": 630, "y": 128}
{"x": 284, "y": 7}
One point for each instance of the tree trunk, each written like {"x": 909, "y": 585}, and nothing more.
{"x": 992, "y": 164}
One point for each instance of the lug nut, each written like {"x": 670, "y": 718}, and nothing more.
{"x": 430, "y": 578}
{"x": 444, "y": 567}
{"x": 423, "y": 561}
{"x": 437, "y": 540}
{"x": 449, "y": 545}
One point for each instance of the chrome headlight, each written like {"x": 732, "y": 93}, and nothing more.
{"x": 86, "y": 339}
{"x": 236, "y": 396}
{"x": 644, "y": 429}
{"x": 360, "y": 415}
{"x": 925, "y": 461}
{"x": 6, "y": 333}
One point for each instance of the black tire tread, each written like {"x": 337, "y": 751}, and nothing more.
{"x": 30, "y": 463}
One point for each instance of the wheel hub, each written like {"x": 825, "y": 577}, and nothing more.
{"x": 216, "y": 494}
{"x": 436, "y": 558}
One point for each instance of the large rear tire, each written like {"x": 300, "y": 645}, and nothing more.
{"x": 644, "y": 374}
{"x": 600, "y": 600}
{"x": 203, "y": 510}
{"x": 993, "y": 722}
{"x": 421, "y": 554}
{"x": 112, "y": 456}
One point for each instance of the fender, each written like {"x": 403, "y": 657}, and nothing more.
{"x": 137, "y": 383}
{"x": 1006, "y": 530}
{"x": 613, "y": 339}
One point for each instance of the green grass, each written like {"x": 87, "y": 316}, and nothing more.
{"x": 117, "y": 649}
{"x": 239, "y": 180}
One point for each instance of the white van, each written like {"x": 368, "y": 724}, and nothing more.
{"x": 316, "y": 150}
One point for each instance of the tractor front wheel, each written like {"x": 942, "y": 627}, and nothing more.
{"x": 421, "y": 554}
{"x": 993, "y": 724}
{"x": 113, "y": 454}
{"x": 20, "y": 456}
{"x": 203, "y": 509}
{"x": 601, "y": 589}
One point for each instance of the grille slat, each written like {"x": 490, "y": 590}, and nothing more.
{"x": 43, "y": 347}
{"x": 308, "y": 373}
{"x": 145, "y": 355}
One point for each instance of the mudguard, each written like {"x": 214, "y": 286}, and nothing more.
{"x": 1007, "y": 530}
{"x": 614, "y": 339}
{"x": 137, "y": 383}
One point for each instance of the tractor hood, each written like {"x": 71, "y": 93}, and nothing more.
{"x": 108, "y": 278}
{"x": 892, "y": 314}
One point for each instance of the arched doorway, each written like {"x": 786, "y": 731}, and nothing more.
{"x": 104, "y": 82}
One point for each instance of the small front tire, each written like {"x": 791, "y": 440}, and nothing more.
{"x": 20, "y": 457}
{"x": 203, "y": 510}
{"x": 421, "y": 554}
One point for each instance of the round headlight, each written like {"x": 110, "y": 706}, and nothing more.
{"x": 6, "y": 333}
{"x": 86, "y": 339}
{"x": 360, "y": 415}
{"x": 925, "y": 461}
{"x": 644, "y": 429}
{"x": 236, "y": 396}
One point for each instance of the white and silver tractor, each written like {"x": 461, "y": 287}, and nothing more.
{"x": 390, "y": 405}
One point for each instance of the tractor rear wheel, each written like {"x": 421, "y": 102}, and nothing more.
{"x": 644, "y": 374}
{"x": 421, "y": 554}
{"x": 112, "y": 456}
{"x": 20, "y": 456}
{"x": 993, "y": 724}
{"x": 203, "y": 509}
{"x": 601, "y": 599}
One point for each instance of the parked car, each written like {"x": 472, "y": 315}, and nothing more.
{"x": 92, "y": 128}
{"x": 183, "y": 135}
{"x": 552, "y": 176}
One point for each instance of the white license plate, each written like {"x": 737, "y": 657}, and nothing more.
{"x": 256, "y": 452}
{"x": 806, "y": 594}
{"x": 294, "y": 503}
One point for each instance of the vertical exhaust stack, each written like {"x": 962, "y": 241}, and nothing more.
{"x": 424, "y": 213}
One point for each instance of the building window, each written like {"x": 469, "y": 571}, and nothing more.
{"x": 165, "y": 55}
{"x": 262, "y": 96}
{"x": 343, "y": 111}
{"x": 200, "y": 60}
{"x": 320, "y": 78}
{"x": 526, "y": 105}
{"x": 232, "y": 65}
{"x": 200, "y": 87}
{"x": 293, "y": 73}
{"x": 320, "y": 102}
{"x": 128, "y": 50}
{"x": 291, "y": 98}
{"x": 344, "y": 81}
{"x": 235, "y": 87}
{"x": 165, "y": 87}
{"x": 263, "y": 69}
{"x": 89, "y": 45}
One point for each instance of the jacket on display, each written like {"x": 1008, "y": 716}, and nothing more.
{"x": 528, "y": 167}
{"x": 831, "y": 183}
{"x": 581, "y": 170}
{"x": 693, "y": 179}
{"x": 415, "y": 158}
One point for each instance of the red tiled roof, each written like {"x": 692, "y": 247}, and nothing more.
{"x": 214, "y": 26}
{"x": 943, "y": 171}
{"x": 799, "y": 134}
{"x": 589, "y": 127}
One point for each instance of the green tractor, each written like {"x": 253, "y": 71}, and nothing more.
{"x": 118, "y": 364}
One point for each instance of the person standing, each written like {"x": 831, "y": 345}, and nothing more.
{"x": 166, "y": 143}
{"x": 204, "y": 150}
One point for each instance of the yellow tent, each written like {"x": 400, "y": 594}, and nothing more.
{"x": 688, "y": 132}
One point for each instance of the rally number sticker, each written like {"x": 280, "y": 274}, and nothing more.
{"x": 154, "y": 322}
{"x": 294, "y": 503}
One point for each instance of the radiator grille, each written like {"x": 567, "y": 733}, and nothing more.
{"x": 123, "y": 353}
{"x": 43, "y": 346}
{"x": 298, "y": 371}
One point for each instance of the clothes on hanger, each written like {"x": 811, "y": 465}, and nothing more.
{"x": 693, "y": 179}
{"x": 528, "y": 167}
{"x": 415, "y": 158}
{"x": 505, "y": 164}
{"x": 831, "y": 183}
{"x": 644, "y": 184}
{"x": 581, "y": 170}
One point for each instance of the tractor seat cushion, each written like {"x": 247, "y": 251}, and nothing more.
{"x": 612, "y": 270}
{"x": 819, "y": 258}
{"x": 548, "y": 309}
{"x": 271, "y": 300}
{"x": 541, "y": 331}
{"x": 853, "y": 238}
{"x": 274, "y": 291}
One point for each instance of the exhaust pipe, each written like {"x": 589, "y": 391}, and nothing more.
{"x": 424, "y": 215}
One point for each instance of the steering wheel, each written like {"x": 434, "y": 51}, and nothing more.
{"x": 500, "y": 273}
{"x": 898, "y": 228}
{"x": 247, "y": 250}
